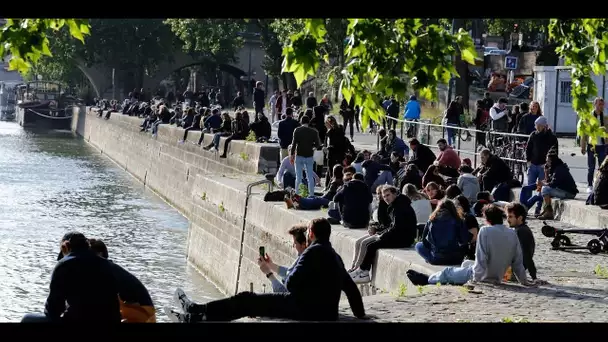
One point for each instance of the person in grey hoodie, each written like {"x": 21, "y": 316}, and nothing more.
{"x": 468, "y": 184}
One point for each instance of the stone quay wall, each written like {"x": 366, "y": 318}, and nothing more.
{"x": 212, "y": 193}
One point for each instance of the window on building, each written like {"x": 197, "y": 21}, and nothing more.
{"x": 565, "y": 94}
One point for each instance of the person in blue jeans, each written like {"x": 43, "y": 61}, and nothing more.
{"x": 539, "y": 144}
{"x": 305, "y": 141}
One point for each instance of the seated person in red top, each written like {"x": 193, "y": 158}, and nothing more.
{"x": 447, "y": 160}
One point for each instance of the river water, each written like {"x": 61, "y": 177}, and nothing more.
{"x": 52, "y": 183}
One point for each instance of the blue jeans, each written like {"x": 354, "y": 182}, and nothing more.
{"x": 535, "y": 172}
{"x": 600, "y": 151}
{"x": 155, "y": 126}
{"x": 35, "y": 318}
{"x": 526, "y": 198}
{"x": 454, "y": 275}
{"x": 433, "y": 259}
{"x": 385, "y": 177}
{"x": 301, "y": 164}
{"x": 451, "y": 133}
{"x": 313, "y": 203}
{"x": 555, "y": 193}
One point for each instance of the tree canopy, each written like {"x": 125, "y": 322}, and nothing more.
{"x": 218, "y": 39}
{"x": 583, "y": 43}
{"x": 383, "y": 57}
{"x": 27, "y": 40}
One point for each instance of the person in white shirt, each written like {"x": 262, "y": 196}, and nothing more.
{"x": 498, "y": 113}
{"x": 286, "y": 175}
{"x": 421, "y": 205}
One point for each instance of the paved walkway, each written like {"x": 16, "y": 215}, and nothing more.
{"x": 574, "y": 294}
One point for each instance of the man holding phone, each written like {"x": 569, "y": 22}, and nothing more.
{"x": 298, "y": 233}
{"x": 315, "y": 286}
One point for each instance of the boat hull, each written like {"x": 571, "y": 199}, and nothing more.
{"x": 42, "y": 119}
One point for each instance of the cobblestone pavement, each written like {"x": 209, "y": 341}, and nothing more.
{"x": 574, "y": 293}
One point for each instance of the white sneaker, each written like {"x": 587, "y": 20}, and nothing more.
{"x": 361, "y": 277}
{"x": 589, "y": 189}
{"x": 174, "y": 316}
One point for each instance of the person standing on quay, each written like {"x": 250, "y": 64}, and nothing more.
{"x": 305, "y": 140}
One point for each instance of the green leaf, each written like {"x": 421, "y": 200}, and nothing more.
{"x": 75, "y": 30}
{"x": 468, "y": 55}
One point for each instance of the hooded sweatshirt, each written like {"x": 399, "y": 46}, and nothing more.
{"x": 469, "y": 185}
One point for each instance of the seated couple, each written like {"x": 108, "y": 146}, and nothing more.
{"x": 314, "y": 286}
{"x": 498, "y": 249}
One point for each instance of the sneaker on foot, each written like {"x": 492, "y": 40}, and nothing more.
{"x": 175, "y": 316}
{"x": 417, "y": 278}
{"x": 361, "y": 277}
{"x": 182, "y": 300}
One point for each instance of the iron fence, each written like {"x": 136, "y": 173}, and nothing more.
{"x": 510, "y": 147}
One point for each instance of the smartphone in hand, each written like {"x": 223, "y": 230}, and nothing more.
{"x": 262, "y": 252}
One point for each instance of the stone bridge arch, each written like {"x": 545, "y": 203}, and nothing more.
{"x": 250, "y": 57}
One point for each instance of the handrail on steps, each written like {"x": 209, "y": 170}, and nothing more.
{"x": 270, "y": 182}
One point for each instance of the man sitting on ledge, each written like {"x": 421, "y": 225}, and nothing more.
{"x": 314, "y": 286}
{"x": 400, "y": 233}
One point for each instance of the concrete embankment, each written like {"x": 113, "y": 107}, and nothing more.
{"x": 211, "y": 192}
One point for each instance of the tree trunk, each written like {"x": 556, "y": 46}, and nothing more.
{"x": 275, "y": 84}
{"x": 462, "y": 86}
{"x": 291, "y": 79}
{"x": 284, "y": 80}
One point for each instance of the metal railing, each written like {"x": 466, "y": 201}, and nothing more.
{"x": 270, "y": 183}
{"x": 510, "y": 147}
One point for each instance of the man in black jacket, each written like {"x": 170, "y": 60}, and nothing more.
{"x": 422, "y": 156}
{"x": 353, "y": 199}
{"x": 400, "y": 234}
{"x": 539, "y": 144}
{"x": 376, "y": 173}
{"x": 315, "y": 286}
{"x": 83, "y": 281}
{"x": 136, "y": 305}
{"x": 494, "y": 173}
{"x": 311, "y": 101}
{"x": 285, "y": 131}
{"x": 259, "y": 98}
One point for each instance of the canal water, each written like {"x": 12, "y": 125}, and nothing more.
{"x": 52, "y": 183}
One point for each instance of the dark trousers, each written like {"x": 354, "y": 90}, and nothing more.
{"x": 259, "y": 109}
{"x": 229, "y": 139}
{"x": 392, "y": 123}
{"x": 349, "y": 120}
{"x": 501, "y": 192}
{"x": 600, "y": 152}
{"x": 448, "y": 171}
{"x": 373, "y": 247}
{"x": 188, "y": 130}
{"x": 200, "y": 140}
{"x": 249, "y": 304}
{"x": 331, "y": 162}
{"x": 289, "y": 180}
